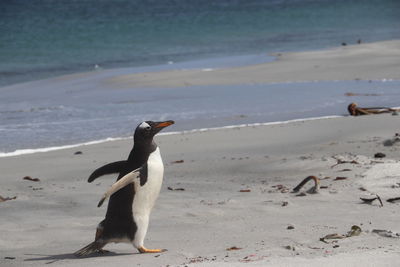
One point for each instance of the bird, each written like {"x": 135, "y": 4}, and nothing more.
{"x": 134, "y": 194}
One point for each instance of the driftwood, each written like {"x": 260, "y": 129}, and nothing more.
{"x": 313, "y": 190}
{"x": 2, "y": 199}
{"x": 370, "y": 200}
{"x": 245, "y": 190}
{"x": 394, "y": 199}
{"x": 31, "y": 179}
{"x": 339, "y": 161}
{"x": 178, "y": 161}
{"x": 354, "y": 110}
{"x": 175, "y": 189}
{"x": 354, "y": 231}
{"x": 233, "y": 248}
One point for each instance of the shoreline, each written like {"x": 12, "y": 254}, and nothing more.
{"x": 206, "y": 64}
{"x": 27, "y": 151}
{"x": 287, "y": 72}
{"x": 367, "y": 61}
{"x": 225, "y": 65}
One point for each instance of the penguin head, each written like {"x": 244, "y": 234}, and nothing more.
{"x": 148, "y": 129}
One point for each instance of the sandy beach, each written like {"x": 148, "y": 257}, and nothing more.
{"x": 227, "y": 194}
{"x": 370, "y": 61}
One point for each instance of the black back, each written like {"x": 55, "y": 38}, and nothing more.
{"x": 119, "y": 219}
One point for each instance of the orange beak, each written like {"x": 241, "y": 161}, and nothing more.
{"x": 164, "y": 124}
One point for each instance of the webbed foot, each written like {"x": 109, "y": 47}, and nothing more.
{"x": 146, "y": 250}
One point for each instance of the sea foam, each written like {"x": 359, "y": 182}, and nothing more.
{"x": 20, "y": 152}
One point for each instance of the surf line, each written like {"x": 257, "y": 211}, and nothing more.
{"x": 20, "y": 152}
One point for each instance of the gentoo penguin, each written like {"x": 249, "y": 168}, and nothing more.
{"x": 129, "y": 208}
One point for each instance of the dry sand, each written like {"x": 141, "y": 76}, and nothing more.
{"x": 53, "y": 217}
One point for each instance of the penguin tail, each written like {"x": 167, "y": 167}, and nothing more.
{"x": 89, "y": 249}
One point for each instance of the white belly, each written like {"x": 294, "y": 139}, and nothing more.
{"x": 146, "y": 195}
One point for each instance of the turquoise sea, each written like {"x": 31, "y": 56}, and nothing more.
{"x": 42, "y": 39}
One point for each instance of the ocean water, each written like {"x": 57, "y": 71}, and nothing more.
{"x": 43, "y": 39}
{"x": 80, "y": 109}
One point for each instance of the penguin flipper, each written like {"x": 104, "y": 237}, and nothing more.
{"x": 124, "y": 181}
{"x": 89, "y": 249}
{"x": 114, "y": 167}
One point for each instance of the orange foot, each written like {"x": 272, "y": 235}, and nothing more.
{"x": 146, "y": 250}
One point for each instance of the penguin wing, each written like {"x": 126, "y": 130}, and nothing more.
{"x": 114, "y": 167}
{"x": 132, "y": 177}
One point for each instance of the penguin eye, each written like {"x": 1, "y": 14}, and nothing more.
{"x": 148, "y": 128}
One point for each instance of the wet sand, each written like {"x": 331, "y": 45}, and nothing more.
{"x": 372, "y": 61}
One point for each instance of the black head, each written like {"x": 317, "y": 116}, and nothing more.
{"x": 148, "y": 129}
